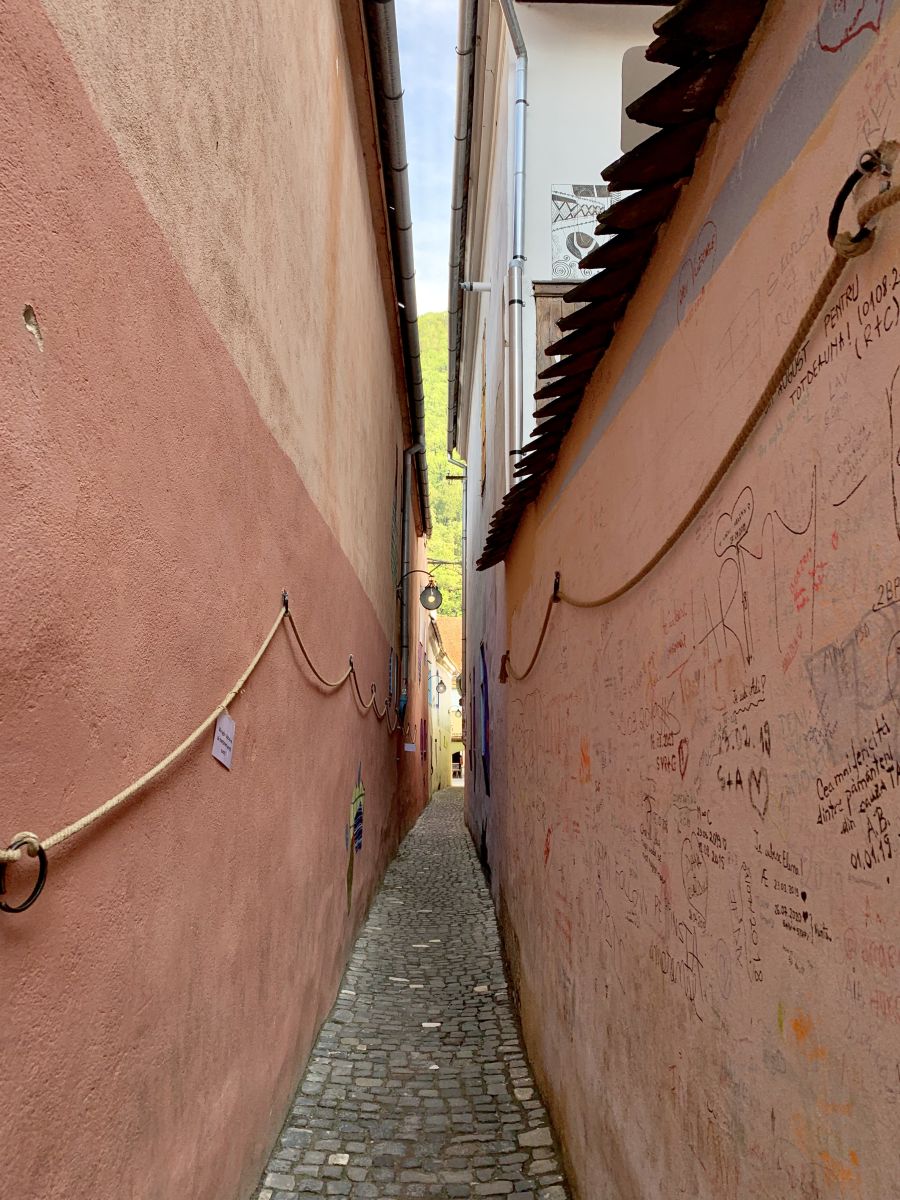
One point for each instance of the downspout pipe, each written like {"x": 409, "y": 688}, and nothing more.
{"x": 416, "y": 451}
{"x": 454, "y": 462}
{"x": 459, "y": 205}
{"x": 517, "y": 262}
{"x": 381, "y": 21}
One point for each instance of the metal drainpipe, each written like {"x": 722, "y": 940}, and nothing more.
{"x": 382, "y": 25}
{"x": 418, "y": 448}
{"x": 465, "y": 50}
{"x": 465, "y": 504}
{"x": 517, "y": 263}
{"x": 459, "y": 215}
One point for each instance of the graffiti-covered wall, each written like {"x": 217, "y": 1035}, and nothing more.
{"x": 695, "y": 828}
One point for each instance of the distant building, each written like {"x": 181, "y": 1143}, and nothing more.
{"x": 443, "y": 704}
{"x": 451, "y": 634}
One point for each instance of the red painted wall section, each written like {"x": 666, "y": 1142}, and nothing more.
{"x": 161, "y": 996}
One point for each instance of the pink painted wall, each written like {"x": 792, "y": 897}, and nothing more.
{"x": 162, "y": 995}
{"x": 694, "y": 812}
{"x": 236, "y": 124}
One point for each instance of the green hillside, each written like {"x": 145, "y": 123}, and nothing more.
{"x": 446, "y": 495}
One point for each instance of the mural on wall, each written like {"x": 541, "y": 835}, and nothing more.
{"x": 353, "y": 833}
{"x": 574, "y": 209}
{"x": 704, "y": 867}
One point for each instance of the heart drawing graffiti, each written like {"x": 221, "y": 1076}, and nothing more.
{"x": 758, "y": 790}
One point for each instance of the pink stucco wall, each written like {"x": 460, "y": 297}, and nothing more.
{"x": 236, "y": 124}
{"x": 694, "y": 808}
{"x": 161, "y": 996}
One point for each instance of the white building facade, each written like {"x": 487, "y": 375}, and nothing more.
{"x": 585, "y": 61}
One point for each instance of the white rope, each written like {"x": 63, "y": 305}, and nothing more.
{"x": 31, "y": 843}
{"x": 120, "y": 798}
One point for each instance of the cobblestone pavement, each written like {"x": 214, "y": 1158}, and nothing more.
{"x": 418, "y": 1085}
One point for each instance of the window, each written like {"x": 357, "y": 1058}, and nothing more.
{"x": 549, "y": 307}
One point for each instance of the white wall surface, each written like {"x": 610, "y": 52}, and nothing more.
{"x": 574, "y": 118}
{"x": 573, "y": 131}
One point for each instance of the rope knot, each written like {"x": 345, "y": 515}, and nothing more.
{"x": 877, "y": 161}
{"x": 27, "y": 841}
{"x": 31, "y": 843}
{"x": 848, "y": 245}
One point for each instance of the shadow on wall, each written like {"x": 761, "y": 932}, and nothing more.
{"x": 485, "y": 723}
{"x": 512, "y": 957}
{"x": 483, "y": 854}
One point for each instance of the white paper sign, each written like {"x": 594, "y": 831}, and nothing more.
{"x": 409, "y": 747}
{"x": 223, "y": 742}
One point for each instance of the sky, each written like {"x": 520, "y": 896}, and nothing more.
{"x": 426, "y": 32}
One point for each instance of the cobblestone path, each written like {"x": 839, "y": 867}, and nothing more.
{"x": 418, "y": 1085}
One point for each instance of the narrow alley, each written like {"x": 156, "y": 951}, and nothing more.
{"x": 418, "y": 1085}
{"x": 398, "y": 393}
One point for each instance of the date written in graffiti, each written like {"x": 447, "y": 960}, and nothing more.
{"x": 878, "y": 313}
{"x": 867, "y": 306}
{"x": 856, "y": 321}
{"x": 742, "y": 737}
{"x": 877, "y": 848}
{"x": 744, "y": 927}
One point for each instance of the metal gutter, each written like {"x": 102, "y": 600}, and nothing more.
{"x": 454, "y": 462}
{"x": 517, "y": 262}
{"x": 459, "y": 208}
{"x": 381, "y": 25}
{"x": 459, "y": 218}
{"x": 417, "y": 452}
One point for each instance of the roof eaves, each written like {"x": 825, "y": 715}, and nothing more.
{"x": 705, "y": 40}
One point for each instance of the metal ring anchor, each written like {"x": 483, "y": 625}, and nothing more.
{"x": 25, "y": 839}
{"x": 870, "y": 162}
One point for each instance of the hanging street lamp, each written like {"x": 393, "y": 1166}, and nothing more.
{"x": 430, "y": 596}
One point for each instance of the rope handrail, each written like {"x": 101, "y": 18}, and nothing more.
{"x": 350, "y": 674}
{"x": 845, "y": 246}
{"x": 36, "y": 847}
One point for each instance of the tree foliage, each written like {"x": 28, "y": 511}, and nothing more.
{"x": 446, "y": 495}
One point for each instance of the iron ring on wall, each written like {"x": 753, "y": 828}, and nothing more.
{"x": 17, "y": 844}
